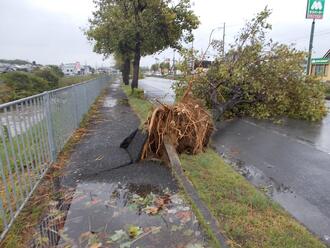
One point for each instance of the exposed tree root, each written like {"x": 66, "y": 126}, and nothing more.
{"x": 187, "y": 124}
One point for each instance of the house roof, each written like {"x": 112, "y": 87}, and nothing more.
{"x": 327, "y": 55}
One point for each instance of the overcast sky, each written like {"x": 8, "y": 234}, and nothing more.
{"x": 49, "y": 31}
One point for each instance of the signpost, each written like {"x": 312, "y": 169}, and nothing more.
{"x": 320, "y": 61}
{"x": 315, "y": 10}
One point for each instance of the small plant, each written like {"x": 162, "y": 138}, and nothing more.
{"x": 5, "y": 131}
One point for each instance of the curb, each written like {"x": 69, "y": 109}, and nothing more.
{"x": 192, "y": 193}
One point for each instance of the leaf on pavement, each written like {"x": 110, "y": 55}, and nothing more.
{"x": 134, "y": 231}
{"x": 126, "y": 245}
{"x": 197, "y": 245}
{"x": 176, "y": 228}
{"x": 188, "y": 232}
{"x": 119, "y": 235}
{"x": 184, "y": 216}
{"x": 155, "y": 229}
{"x": 152, "y": 210}
{"x": 98, "y": 245}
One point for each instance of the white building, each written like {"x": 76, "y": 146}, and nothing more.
{"x": 71, "y": 69}
{"x": 87, "y": 70}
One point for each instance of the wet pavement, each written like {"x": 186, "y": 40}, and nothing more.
{"x": 295, "y": 173}
{"x": 290, "y": 162}
{"x": 110, "y": 203}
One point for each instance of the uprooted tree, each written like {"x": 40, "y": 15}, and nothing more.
{"x": 259, "y": 78}
{"x": 256, "y": 77}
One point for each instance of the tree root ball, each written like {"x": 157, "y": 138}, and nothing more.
{"x": 187, "y": 124}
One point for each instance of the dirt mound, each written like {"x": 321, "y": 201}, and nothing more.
{"x": 187, "y": 124}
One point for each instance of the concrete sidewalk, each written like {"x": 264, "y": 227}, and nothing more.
{"x": 136, "y": 205}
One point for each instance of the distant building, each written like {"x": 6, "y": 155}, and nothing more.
{"x": 203, "y": 64}
{"x": 104, "y": 70}
{"x": 26, "y": 67}
{"x": 320, "y": 67}
{"x": 71, "y": 69}
{"x": 87, "y": 70}
{"x": 8, "y": 67}
{"x": 4, "y": 68}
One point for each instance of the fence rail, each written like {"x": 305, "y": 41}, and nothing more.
{"x": 33, "y": 131}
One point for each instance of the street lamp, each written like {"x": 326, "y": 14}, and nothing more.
{"x": 224, "y": 36}
{"x": 210, "y": 40}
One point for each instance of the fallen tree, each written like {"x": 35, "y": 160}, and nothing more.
{"x": 258, "y": 78}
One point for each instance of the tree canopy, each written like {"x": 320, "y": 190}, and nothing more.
{"x": 155, "y": 67}
{"x": 260, "y": 78}
{"x": 140, "y": 27}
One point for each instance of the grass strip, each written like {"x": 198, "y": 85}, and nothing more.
{"x": 70, "y": 80}
{"x": 248, "y": 217}
{"x": 139, "y": 104}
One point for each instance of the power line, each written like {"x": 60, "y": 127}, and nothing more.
{"x": 307, "y": 37}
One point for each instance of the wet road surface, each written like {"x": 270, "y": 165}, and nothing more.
{"x": 290, "y": 162}
{"x": 158, "y": 89}
{"x": 108, "y": 203}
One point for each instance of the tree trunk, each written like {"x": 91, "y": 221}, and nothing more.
{"x": 220, "y": 109}
{"x": 126, "y": 71}
{"x": 136, "y": 66}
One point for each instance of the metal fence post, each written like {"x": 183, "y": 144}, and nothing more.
{"x": 50, "y": 127}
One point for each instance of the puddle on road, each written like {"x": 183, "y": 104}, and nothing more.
{"x": 115, "y": 215}
{"x": 109, "y": 102}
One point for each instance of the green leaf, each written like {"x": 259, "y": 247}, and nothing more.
{"x": 119, "y": 235}
{"x": 126, "y": 245}
{"x": 134, "y": 231}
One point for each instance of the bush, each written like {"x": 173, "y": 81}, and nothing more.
{"x": 22, "y": 84}
{"x": 56, "y": 70}
{"x": 50, "y": 76}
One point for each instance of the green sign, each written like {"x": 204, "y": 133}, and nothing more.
{"x": 321, "y": 61}
{"x": 315, "y": 9}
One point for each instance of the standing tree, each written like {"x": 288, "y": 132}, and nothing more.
{"x": 140, "y": 27}
{"x": 123, "y": 63}
{"x": 164, "y": 66}
{"x": 110, "y": 37}
{"x": 155, "y": 68}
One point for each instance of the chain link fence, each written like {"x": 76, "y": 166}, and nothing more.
{"x": 33, "y": 131}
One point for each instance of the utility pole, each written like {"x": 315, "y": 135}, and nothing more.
{"x": 224, "y": 37}
{"x": 310, "y": 52}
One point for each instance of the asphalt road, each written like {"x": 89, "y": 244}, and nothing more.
{"x": 158, "y": 88}
{"x": 290, "y": 161}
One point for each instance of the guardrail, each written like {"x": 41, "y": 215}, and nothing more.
{"x": 33, "y": 131}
